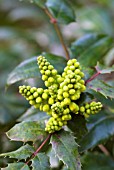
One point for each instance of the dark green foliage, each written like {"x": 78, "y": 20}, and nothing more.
{"x": 25, "y": 32}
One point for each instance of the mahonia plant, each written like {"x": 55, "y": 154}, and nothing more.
{"x": 59, "y": 99}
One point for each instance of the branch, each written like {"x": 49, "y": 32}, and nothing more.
{"x": 92, "y": 77}
{"x": 40, "y": 147}
{"x": 54, "y": 22}
{"x": 104, "y": 150}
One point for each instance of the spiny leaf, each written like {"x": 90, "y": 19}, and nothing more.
{"x": 101, "y": 87}
{"x": 97, "y": 161}
{"x": 27, "y": 131}
{"x": 104, "y": 69}
{"x": 102, "y": 130}
{"x": 29, "y": 68}
{"x": 22, "y": 153}
{"x": 94, "y": 52}
{"x": 77, "y": 126}
{"x": 61, "y": 10}
{"x": 18, "y": 165}
{"x": 41, "y": 162}
{"x": 66, "y": 149}
{"x": 33, "y": 114}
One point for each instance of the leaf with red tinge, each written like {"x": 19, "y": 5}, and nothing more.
{"x": 27, "y": 131}
{"x": 101, "y": 87}
{"x": 103, "y": 69}
{"x": 66, "y": 149}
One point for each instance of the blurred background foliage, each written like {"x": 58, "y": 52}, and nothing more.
{"x": 25, "y": 31}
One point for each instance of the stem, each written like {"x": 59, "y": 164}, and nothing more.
{"x": 93, "y": 77}
{"x": 54, "y": 22}
{"x": 104, "y": 150}
{"x": 40, "y": 147}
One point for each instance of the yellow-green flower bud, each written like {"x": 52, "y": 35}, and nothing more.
{"x": 46, "y": 108}
{"x": 38, "y": 100}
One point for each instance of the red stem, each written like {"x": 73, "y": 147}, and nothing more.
{"x": 93, "y": 77}
{"x": 104, "y": 150}
{"x": 40, "y": 147}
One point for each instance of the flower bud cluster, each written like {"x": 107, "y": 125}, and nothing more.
{"x": 73, "y": 85}
{"x": 60, "y": 116}
{"x": 90, "y": 108}
{"x": 49, "y": 74}
{"x": 59, "y": 99}
{"x": 37, "y": 97}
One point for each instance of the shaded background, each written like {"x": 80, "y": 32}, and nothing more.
{"x": 25, "y": 31}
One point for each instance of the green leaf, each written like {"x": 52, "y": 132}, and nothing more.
{"x": 29, "y": 68}
{"x": 27, "y": 131}
{"x": 66, "y": 149}
{"x": 58, "y": 62}
{"x": 78, "y": 126}
{"x": 101, "y": 131}
{"x": 41, "y": 162}
{"x": 33, "y": 114}
{"x": 103, "y": 69}
{"x": 101, "y": 87}
{"x": 96, "y": 48}
{"x": 94, "y": 119}
{"x": 97, "y": 161}
{"x": 22, "y": 153}
{"x": 88, "y": 72}
{"x": 79, "y": 46}
{"x": 18, "y": 165}
{"x": 62, "y": 10}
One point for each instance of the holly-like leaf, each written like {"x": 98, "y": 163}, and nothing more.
{"x": 22, "y": 153}
{"x": 66, "y": 149}
{"x": 96, "y": 48}
{"x": 62, "y": 10}
{"x": 40, "y": 162}
{"x": 29, "y": 68}
{"x": 97, "y": 161}
{"x": 33, "y": 114}
{"x": 78, "y": 126}
{"x": 101, "y": 87}
{"x": 103, "y": 69}
{"x": 27, "y": 131}
{"x": 18, "y": 165}
{"x": 100, "y": 132}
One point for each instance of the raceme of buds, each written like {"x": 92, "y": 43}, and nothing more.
{"x": 59, "y": 99}
{"x": 90, "y": 108}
